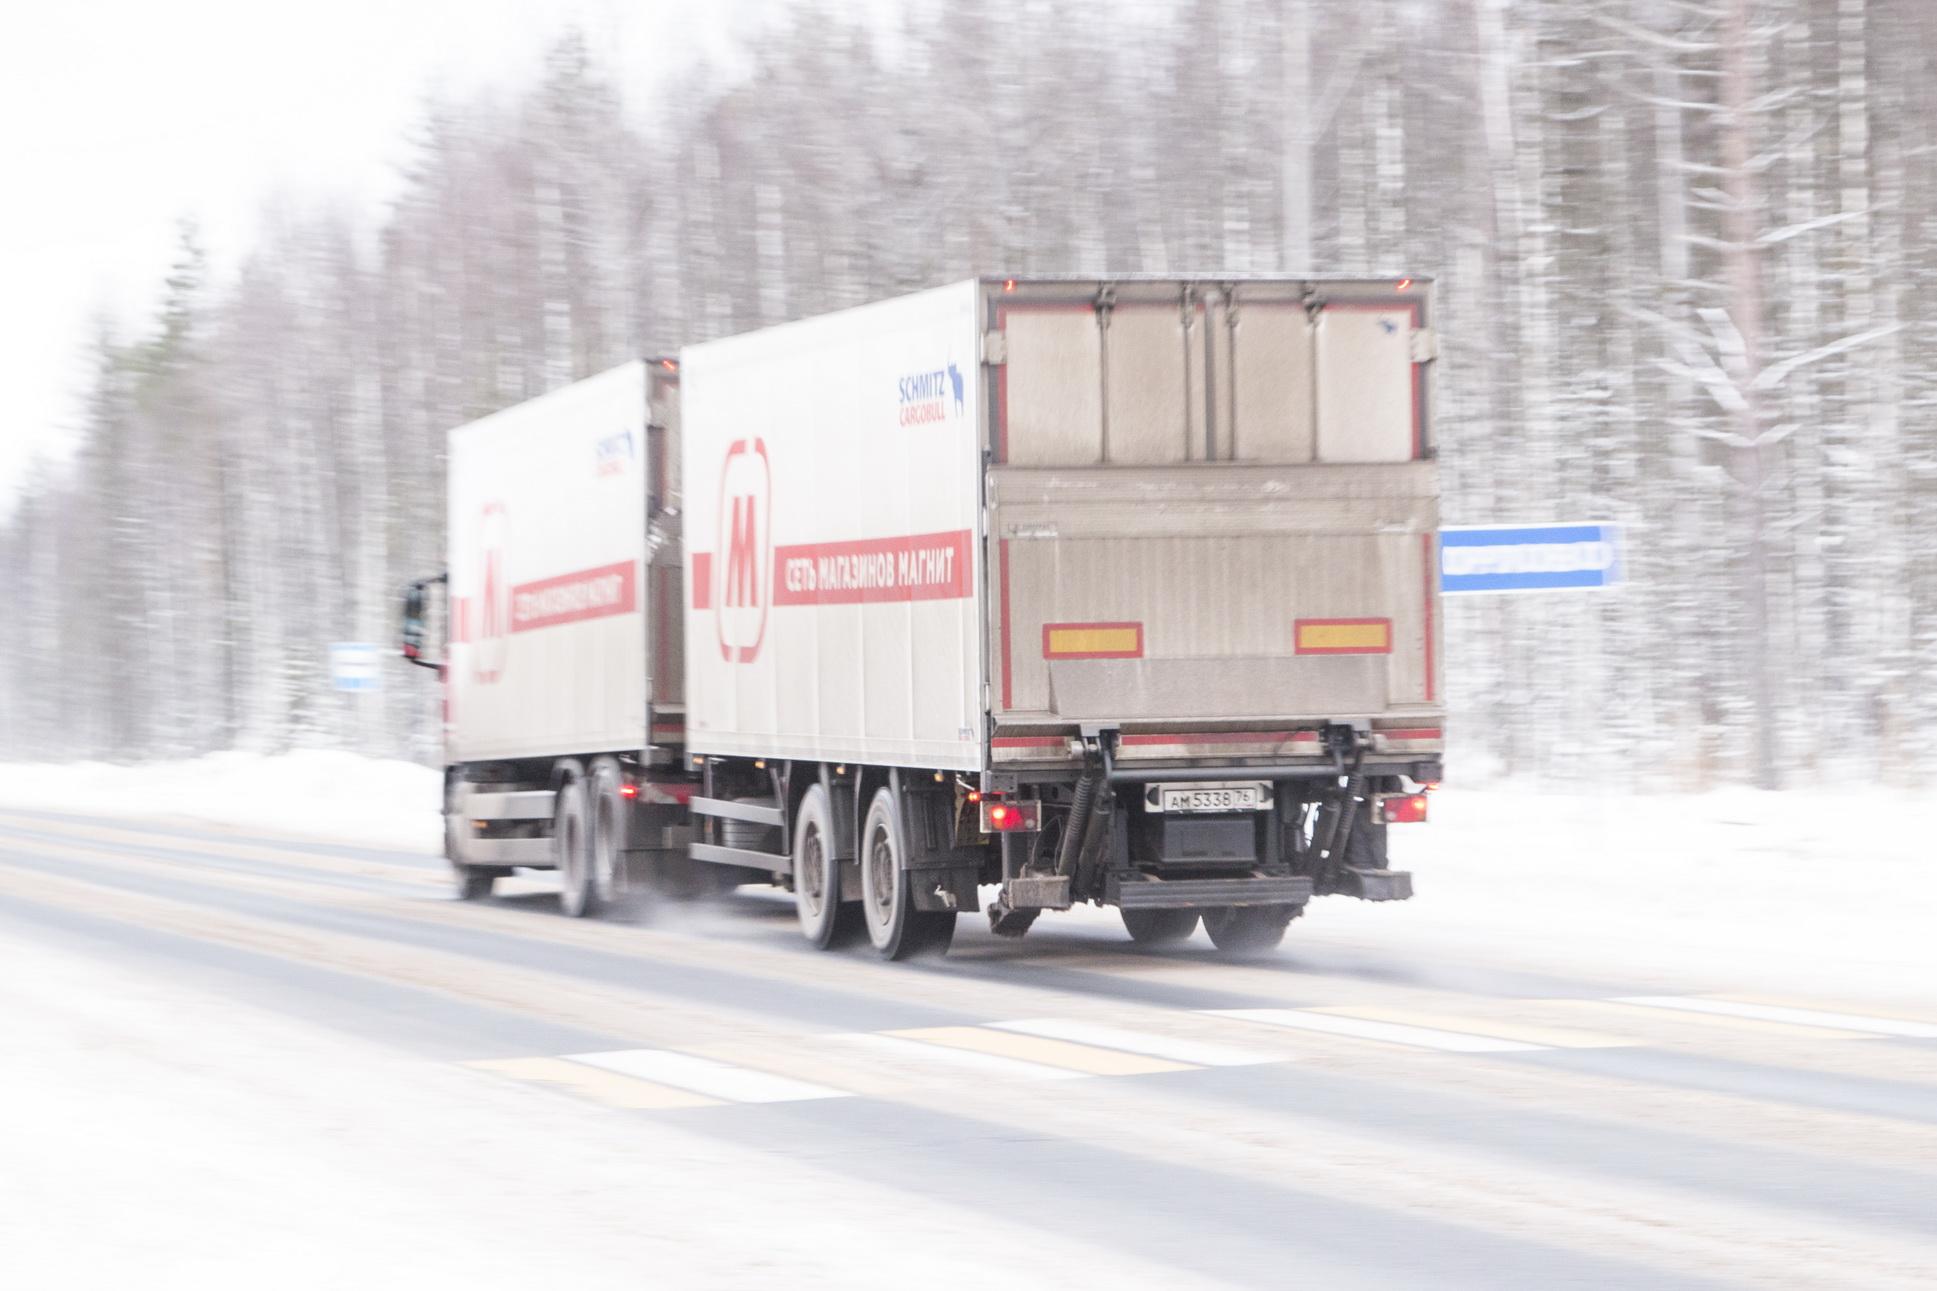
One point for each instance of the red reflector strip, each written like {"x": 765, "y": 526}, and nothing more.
{"x": 1342, "y": 636}
{"x": 1220, "y": 737}
{"x": 1029, "y": 741}
{"x": 1418, "y": 733}
{"x": 1092, "y": 640}
{"x": 702, "y": 580}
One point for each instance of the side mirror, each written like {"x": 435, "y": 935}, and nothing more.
{"x": 415, "y": 599}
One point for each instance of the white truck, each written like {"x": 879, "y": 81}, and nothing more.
{"x": 1064, "y": 590}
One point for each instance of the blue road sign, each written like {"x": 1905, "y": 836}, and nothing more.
{"x": 356, "y": 666}
{"x": 1529, "y": 558}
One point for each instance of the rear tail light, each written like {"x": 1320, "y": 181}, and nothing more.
{"x": 628, "y": 790}
{"x": 1401, "y": 808}
{"x": 1004, "y": 815}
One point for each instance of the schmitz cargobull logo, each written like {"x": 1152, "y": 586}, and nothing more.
{"x": 932, "y": 396}
{"x": 741, "y": 569}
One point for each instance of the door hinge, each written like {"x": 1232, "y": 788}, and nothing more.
{"x": 995, "y": 348}
{"x": 1424, "y": 345}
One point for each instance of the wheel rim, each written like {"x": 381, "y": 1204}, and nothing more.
{"x": 812, "y": 880}
{"x": 882, "y": 877}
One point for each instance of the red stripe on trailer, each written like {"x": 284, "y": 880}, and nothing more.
{"x": 1002, "y": 559}
{"x": 1029, "y": 742}
{"x": 702, "y": 577}
{"x": 1427, "y": 552}
{"x": 1221, "y": 737}
{"x": 909, "y": 567}
{"x": 1421, "y": 733}
{"x": 575, "y": 597}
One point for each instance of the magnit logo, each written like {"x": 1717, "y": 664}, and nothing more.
{"x": 933, "y": 396}
{"x": 744, "y": 544}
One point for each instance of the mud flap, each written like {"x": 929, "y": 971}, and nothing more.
{"x": 1374, "y": 885}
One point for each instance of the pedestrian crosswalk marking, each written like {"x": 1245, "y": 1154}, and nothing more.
{"x": 718, "y": 1080}
{"x": 1051, "y": 1048}
{"x": 1826, "y": 1019}
{"x": 1534, "y": 1034}
{"x": 1193, "y": 1053}
{"x": 1367, "y": 1029}
{"x": 595, "y": 1083}
{"x": 902, "y": 1052}
{"x": 1086, "y": 1059}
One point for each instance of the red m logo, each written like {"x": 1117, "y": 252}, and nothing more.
{"x": 494, "y": 596}
{"x": 743, "y": 554}
{"x": 744, "y": 551}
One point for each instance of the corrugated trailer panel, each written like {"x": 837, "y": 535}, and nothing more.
{"x": 833, "y": 531}
{"x": 1216, "y": 570}
{"x": 549, "y": 600}
{"x": 1213, "y": 501}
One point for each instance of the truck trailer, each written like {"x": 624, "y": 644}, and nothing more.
{"x": 1009, "y": 595}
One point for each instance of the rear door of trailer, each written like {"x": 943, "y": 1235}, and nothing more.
{"x": 1209, "y": 505}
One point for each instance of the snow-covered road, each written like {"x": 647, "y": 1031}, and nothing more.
{"x": 1611, "y": 1043}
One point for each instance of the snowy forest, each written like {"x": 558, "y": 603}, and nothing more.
{"x": 1686, "y": 283}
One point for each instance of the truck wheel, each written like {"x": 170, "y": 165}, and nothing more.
{"x": 1250, "y": 929}
{"x": 1160, "y": 927}
{"x": 608, "y": 834}
{"x": 474, "y": 882}
{"x": 896, "y": 928}
{"x": 824, "y": 919}
{"x": 572, "y": 852}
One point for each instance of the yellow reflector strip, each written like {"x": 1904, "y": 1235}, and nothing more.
{"x": 1343, "y": 636}
{"x": 1092, "y": 640}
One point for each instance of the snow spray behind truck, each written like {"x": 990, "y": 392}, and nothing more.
{"x": 1050, "y": 590}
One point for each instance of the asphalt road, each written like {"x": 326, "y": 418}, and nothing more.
{"x": 230, "y": 1055}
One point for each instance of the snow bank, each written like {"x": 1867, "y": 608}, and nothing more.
{"x": 1829, "y": 894}
{"x": 313, "y": 793}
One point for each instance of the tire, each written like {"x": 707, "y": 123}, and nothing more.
{"x": 897, "y": 929}
{"x": 1250, "y": 929}
{"x": 608, "y": 830}
{"x": 475, "y": 882}
{"x": 1159, "y": 927}
{"x": 824, "y": 919}
{"x": 572, "y": 851}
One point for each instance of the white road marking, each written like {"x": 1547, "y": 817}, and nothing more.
{"x": 706, "y": 1076}
{"x": 1199, "y": 1053}
{"x": 1798, "y": 1017}
{"x": 1389, "y": 1032}
{"x": 941, "y": 1057}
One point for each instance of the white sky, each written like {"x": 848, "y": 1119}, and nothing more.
{"x": 124, "y": 116}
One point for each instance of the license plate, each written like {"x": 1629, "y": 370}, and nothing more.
{"x": 1229, "y": 797}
